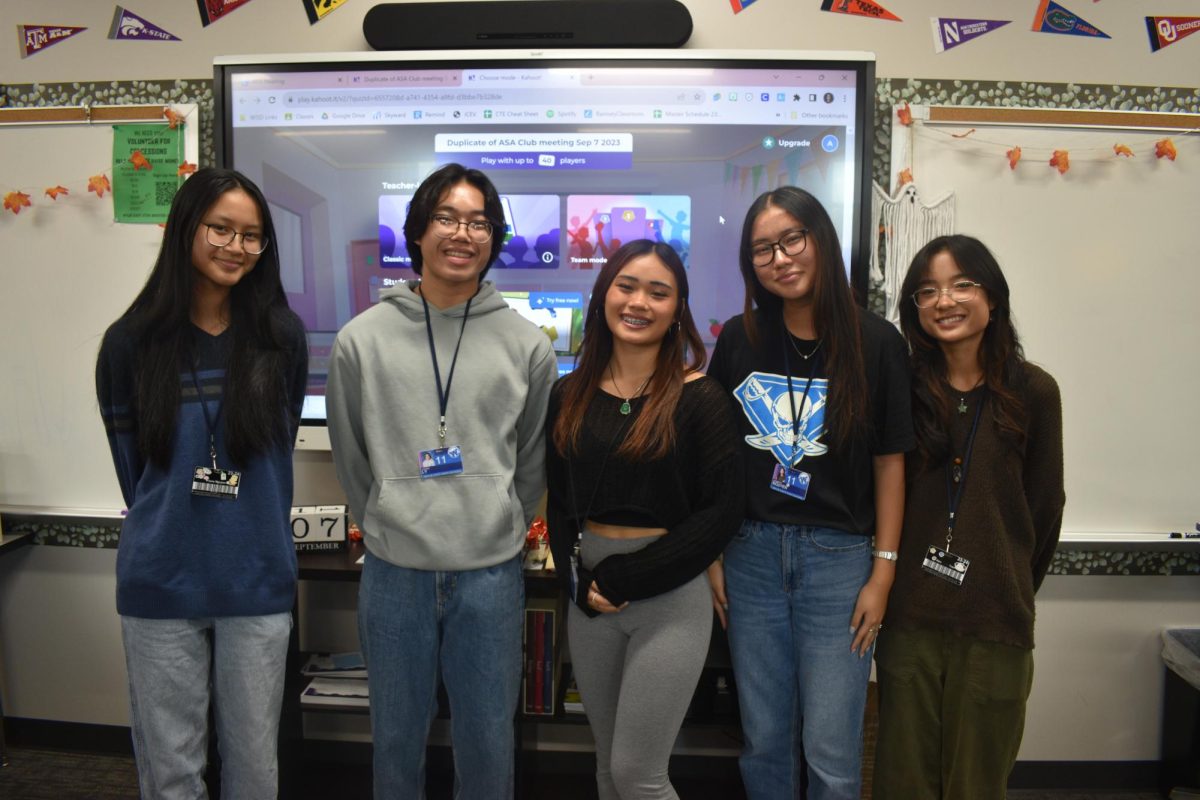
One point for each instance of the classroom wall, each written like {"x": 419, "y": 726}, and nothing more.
{"x": 1098, "y": 679}
{"x": 904, "y": 49}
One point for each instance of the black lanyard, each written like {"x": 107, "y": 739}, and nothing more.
{"x": 954, "y": 493}
{"x": 211, "y": 422}
{"x": 580, "y": 520}
{"x": 787, "y": 371}
{"x": 444, "y": 394}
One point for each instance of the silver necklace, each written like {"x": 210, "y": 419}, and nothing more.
{"x": 962, "y": 397}
{"x": 796, "y": 347}
{"x": 626, "y": 408}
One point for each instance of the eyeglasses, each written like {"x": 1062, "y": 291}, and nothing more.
{"x": 223, "y": 236}
{"x": 959, "y": 292}
{"x": 443, "y": 227}
{"x": 792, "y": 243}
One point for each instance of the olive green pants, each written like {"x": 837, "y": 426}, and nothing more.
{"x": 951, "y": 715}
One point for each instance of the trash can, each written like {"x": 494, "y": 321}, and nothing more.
{"x": 1181, "y": 710}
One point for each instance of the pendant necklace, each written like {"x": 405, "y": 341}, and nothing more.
{"x": 626, "y": 408}
{"x": 796, "y": 347}
{"x": 962, "y": 398}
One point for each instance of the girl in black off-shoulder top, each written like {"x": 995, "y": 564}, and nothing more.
{"x": 645, "y": 491}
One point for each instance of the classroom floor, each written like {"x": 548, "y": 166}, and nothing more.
{"x": 64, "y": 775}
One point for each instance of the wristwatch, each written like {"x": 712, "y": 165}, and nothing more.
{"x": 886, "y": 555}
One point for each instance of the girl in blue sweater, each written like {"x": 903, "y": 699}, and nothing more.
{"x": 200, "y": 384}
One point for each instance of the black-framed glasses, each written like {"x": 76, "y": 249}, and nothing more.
{"x": 223, "y": 236}
{"x": 792, "y": 243}
{"x": 443, "y": 227}
{"x": 959, "y": 292}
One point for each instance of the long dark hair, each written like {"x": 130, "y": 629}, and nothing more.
{"x": 426, "y": 199}
{"x": 1000, "y": 352}
{"x": 835, "y": 314}
{"x": 653, "y": 434}
{"x": 262, "y": 326}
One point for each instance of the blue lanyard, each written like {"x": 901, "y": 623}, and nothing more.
{"x": 444, "y": 394}
{"x": 954, "y": 488}
{"x": 787, "y": 371}
{"x": 211, "y": 422}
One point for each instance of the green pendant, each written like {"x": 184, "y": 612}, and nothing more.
{"x": 625, "y": 408}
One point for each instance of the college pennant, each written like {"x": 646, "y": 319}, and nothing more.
{"x": 317, "y": 9}
{"x": 739, "y": 5}
{"x": 128, "y": 25}
{"x": 951, "y": 32}
{"x": 36, "y": 38}
{"x": 1165, "y": 31}
{"x": 858, "y": 8}
{"x": 1053, "y": 18}
{"x": 213, "y": 10}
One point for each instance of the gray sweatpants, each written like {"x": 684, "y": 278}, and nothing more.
{"x": 637, "y": 670}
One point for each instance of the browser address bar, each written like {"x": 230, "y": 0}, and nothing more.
{"x": 377, "y": 98}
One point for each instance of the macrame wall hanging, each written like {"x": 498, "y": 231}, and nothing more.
{"x": 905, "y": 224}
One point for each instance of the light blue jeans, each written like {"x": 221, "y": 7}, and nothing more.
{"x": 417, "y": 625}
{"x": 175, "y": 667}
{"x": 792, "y": 591}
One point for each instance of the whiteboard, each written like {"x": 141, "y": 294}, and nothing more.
{"x": 1103, "y": 269}
{"x": 66, "y": 273}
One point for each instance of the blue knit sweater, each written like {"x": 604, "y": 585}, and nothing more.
{"x": 182, "y": 556}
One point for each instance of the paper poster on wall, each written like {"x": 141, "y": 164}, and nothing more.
{"x": 1166, "y": 31}
{"x": 317, "y": 9}
{"x": 36, "y": 38}
{"x": 950, "y": 32}
{"x": 1053, "y": 18}
{"x": 145, "y": 171}
{"x": 859, "y": 8}
{"x": 213, "y": 10}
{"x": 128, "y": 25}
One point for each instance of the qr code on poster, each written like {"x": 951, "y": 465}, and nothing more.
{"x": 164, "y": 192}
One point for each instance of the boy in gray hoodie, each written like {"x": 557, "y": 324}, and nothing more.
{"x": 437, "y": 397}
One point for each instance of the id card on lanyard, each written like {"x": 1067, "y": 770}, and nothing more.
{"x": 442, "y": 460}
{"x": 213, "y": 481}
{"x": 786, "y": 478}
{"x": 939, "y": 561}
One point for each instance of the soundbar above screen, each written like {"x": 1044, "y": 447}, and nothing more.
{"x": 588, "y": 149}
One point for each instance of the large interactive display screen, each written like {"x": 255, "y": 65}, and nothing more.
{"x": 588, "y": 149}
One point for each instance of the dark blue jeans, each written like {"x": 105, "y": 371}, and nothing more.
{"x": 465, "y": 627}
{"x": 792, "y": 591}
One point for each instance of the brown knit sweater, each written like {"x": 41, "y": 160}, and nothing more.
{"x": 1008, "y": 525}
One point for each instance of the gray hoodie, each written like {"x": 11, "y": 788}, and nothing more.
{"x": 383, "y": 410}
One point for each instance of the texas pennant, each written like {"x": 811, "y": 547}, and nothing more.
{"x": 1053, "y": 18}
{"x": 951, "y": 32}
{"x": 738, "y": 5}
{"x": 128, "y": 25}
{"x": 858, "y": 8}
{"x": 1169, "y": 30}
{"x": 317, "y": 9}
{"x": 213, "y": 10}
{"x": 35, "y": 38}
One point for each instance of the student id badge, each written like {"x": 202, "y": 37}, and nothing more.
{"x": 941, "y": 562}
{"x": 439, "y": 462}
{"x": 216, "y": 482}
{"x": 574, "y": 579}
{"x": 790, "y": 481}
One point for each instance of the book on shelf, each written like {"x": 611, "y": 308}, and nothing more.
{"x": 572, "y": 701}
{"x": 335, "y": 665}
{"x": 544, "y": 617}
{"x": 335, "y": 692}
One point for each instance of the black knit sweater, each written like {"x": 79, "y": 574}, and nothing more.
{"x": 695, "y": 492}
{"x": 1007, "y": 525}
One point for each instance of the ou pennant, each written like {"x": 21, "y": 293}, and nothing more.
{"x": 858, "y": 8}
{"x": 128, "y": 25}
{"x": 1053, "y": 18}
{"x": 1165, "y": 31}
{"x": 951, "y": 32}
{"x": 213, "y": 10}
{"x": 36, "y": 38}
